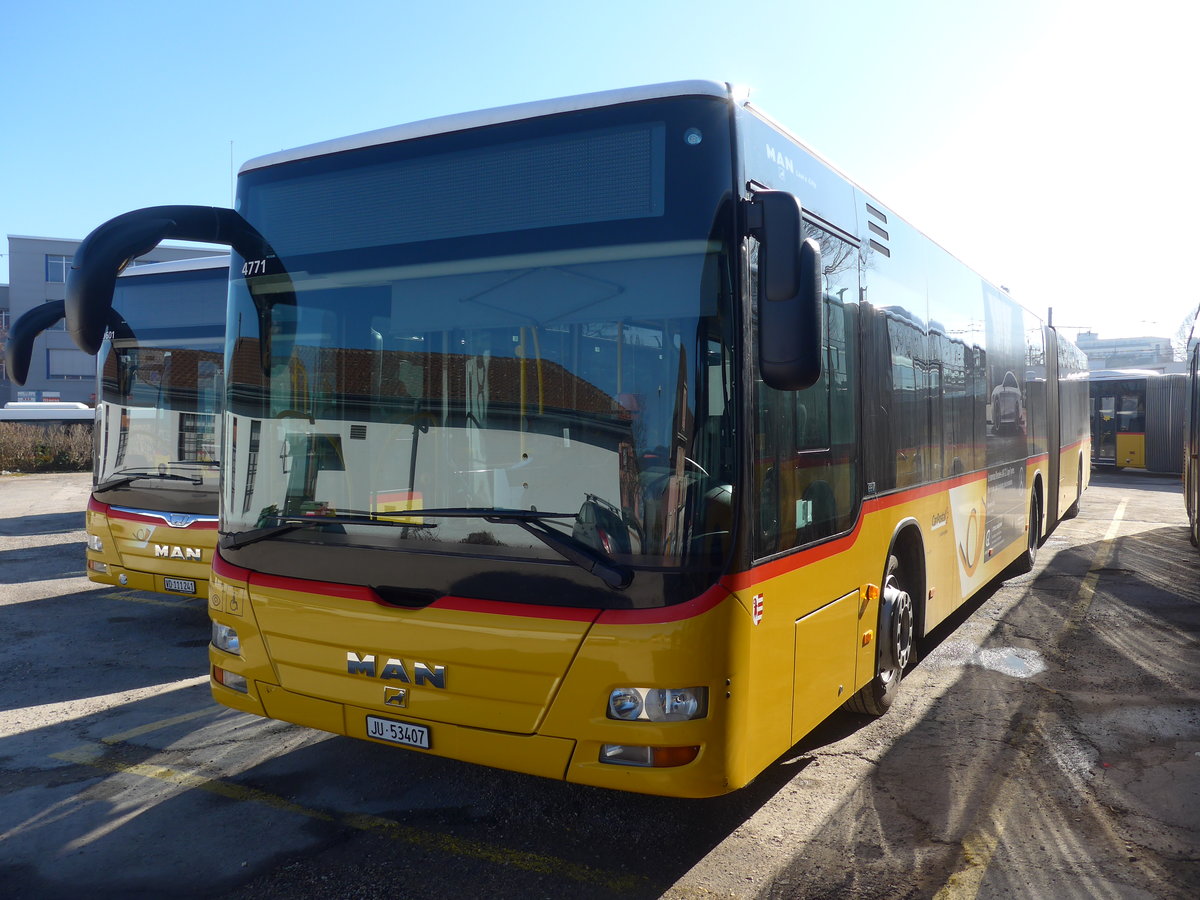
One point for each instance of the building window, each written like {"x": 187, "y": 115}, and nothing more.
{"x": 57, "y": 267}
{"x": 70, "y": 365}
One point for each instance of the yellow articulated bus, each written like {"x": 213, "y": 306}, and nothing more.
{"x": 1137, "y": 419}
{"x": 152, "y": 514}
{"x": 616, "y": 439}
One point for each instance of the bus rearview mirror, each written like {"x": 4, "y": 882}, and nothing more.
{"x": 789, "y": 293}
{"x": 18, "y": 351}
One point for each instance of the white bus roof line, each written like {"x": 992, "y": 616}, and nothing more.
{"x": 194, "y": 263}
{"x": 501, "y": 114}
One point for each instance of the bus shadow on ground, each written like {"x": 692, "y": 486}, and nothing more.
{"x": 44, "y": 563}
{"x": 49, "y": 523}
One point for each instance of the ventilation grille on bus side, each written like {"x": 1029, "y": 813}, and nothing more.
{"x": 879, "y": 246}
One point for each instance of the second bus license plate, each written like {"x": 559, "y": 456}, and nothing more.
{"x": 179, "y": 584}
{"x": 398, "y": 732}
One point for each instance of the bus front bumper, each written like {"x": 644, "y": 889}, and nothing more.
{"x": 562, "y": 759}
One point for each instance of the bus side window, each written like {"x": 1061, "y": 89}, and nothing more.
{"x": 806, "y": 464}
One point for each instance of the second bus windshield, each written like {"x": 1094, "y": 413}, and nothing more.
{"x": 161, "y": 375}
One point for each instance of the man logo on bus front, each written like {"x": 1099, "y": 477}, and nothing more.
{"x": 415, "y": 673}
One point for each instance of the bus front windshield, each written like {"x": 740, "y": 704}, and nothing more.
{"x": 565, "y": 356}
{"x": 161, "y": 383}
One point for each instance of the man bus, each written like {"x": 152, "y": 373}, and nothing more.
{"x": 1137, "y": 419}
{"x": 152, "y": 514}
{"x": 616, "y": 439}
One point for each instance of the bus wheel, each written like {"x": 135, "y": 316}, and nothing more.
{"x": 894, "y": 645}
{"x": 1073, "y": 509}
{"x": 1024, "y": 562}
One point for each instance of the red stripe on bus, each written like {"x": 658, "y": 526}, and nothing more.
{"x": 324, "y": 588}
{"x": 366, "y": 594}
{"x": 689, "y": 609}
{"x": 228, "y": 570}
{"x": 710, "y": 599}
{"x": 797, "y": 560}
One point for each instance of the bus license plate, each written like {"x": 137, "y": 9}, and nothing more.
{"x": 181, "y": 585}
{"x": 398, "y": 732}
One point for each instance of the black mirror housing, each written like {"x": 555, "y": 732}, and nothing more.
{"x": 780, "y": 234}
{"x": 112, "y": 246}
{"x": 18, "y": 349}
{"x": 790, "y": 324}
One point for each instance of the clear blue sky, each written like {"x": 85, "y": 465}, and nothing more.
{"x": 1048, "y": 143}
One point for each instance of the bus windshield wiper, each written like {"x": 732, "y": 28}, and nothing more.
{"x": 233, "y": 540}
{"x": 569, "y": 547}
{"x": 122, "y": 480}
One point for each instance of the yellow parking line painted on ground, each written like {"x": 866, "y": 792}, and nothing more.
{"x": 1087, "y": 589}
{"x": 94, "y": 756}
{"x": 159, "y": 725}
{"x": 979, "y": 846}
{"x": 98, "y": 756}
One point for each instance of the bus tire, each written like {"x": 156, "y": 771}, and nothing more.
{"x": 1073, "y": 510}
{"x": 1033, "y": 537}
{"x": 894, "y": 645}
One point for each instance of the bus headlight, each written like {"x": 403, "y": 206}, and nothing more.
{"x": 94, "y": 543}
{"x": 677, "y": 704}
{"x": 225, "y": 638}
{"x": 631, "y": 704}
{"x": 625, "y": 703}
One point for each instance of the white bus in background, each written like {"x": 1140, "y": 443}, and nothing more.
{"x": 46, "y": 412}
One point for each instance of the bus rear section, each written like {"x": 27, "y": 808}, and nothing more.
{"x": 1138, "y": 419}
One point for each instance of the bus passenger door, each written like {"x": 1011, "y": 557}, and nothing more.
{"x": 808, "y": 488}
{"x": 1104, "y": 427}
